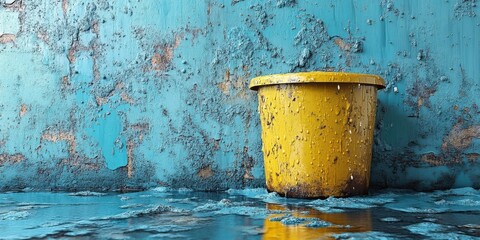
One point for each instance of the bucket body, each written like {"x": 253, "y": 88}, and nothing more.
{"x": 317, "y": 132}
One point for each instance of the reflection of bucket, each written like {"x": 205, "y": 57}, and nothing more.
{"x": 317, "y": 132}
{"x": 355, "y": 221}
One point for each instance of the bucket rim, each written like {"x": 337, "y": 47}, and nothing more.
{"x": 317, "y": 77}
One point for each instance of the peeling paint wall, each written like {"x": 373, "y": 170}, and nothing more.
{"x": 130, "y": 94}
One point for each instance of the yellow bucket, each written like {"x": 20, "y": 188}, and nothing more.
{"x": 317, "y": 132}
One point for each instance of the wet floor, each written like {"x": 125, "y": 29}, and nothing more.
{"x": 163, "y": 213}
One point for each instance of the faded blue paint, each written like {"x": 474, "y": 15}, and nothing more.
{"x": 107, "y": 132}
{"x": 131, "y": 94}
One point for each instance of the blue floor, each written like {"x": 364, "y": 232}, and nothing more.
{"x": 239, "y": 214}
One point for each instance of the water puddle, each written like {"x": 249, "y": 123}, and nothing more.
{"x": 236, "y": 214}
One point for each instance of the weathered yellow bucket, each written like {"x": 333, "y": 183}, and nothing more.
{"x": 317, "y": 132}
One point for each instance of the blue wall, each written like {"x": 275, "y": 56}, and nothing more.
{"x": 138, "y": 93}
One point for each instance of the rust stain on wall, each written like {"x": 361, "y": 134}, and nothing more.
{"x": 461, "y": 138}
{"x": 130, "y": 146}
{"x": 421, "y": 93}
{"x": 95, "y": 47}
{"x": 205, "y": 172}
{"x": 72, "y": 50}
{"x": 43, "y": 35}
{"x": 65, "y": 8}
{"x": 13, "y": 158}
{"x": 100, "y": 100}
{"x": 163, "y": 54}
{"x": 342, "y": 44}
{"x": 123, "y": 93}
{"x": 242, "y": 89}
{"x": 118, "y": 89}
{"x": 125, "y": 97}
{"x": 65, "y": 82}
{"x": 225, "y": 85}
{"x": 69, "y": 137}
{"x": 138, "y": 133}
{"x": 23, "y": 110}
{"x": 141, "y": 127}
{"x": 419, "y": 102}
{"x": 472, "y": 157}
{"x": 235, "y": 82}
{"x": 7, "y": 38}
{"x": 434, "y": 160}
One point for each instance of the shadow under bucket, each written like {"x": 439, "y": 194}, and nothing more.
{"x": 317, "y": 132}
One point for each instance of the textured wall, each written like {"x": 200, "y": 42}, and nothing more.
{"x": 135, "y": 93}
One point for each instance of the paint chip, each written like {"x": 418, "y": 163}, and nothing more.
{"x": 11, "y": 158}
{"x": 205, "y": 172}
{"x": 69, "y": 137}
{"x": 164, "y": 53}
{"x": 461, "y": 138}
{"x": 130, "y": 146}
{"x": 7, "y": 38}
{"x": 23, "y": 110}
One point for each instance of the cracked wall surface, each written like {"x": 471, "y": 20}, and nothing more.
{"x": 132, "y": 94}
